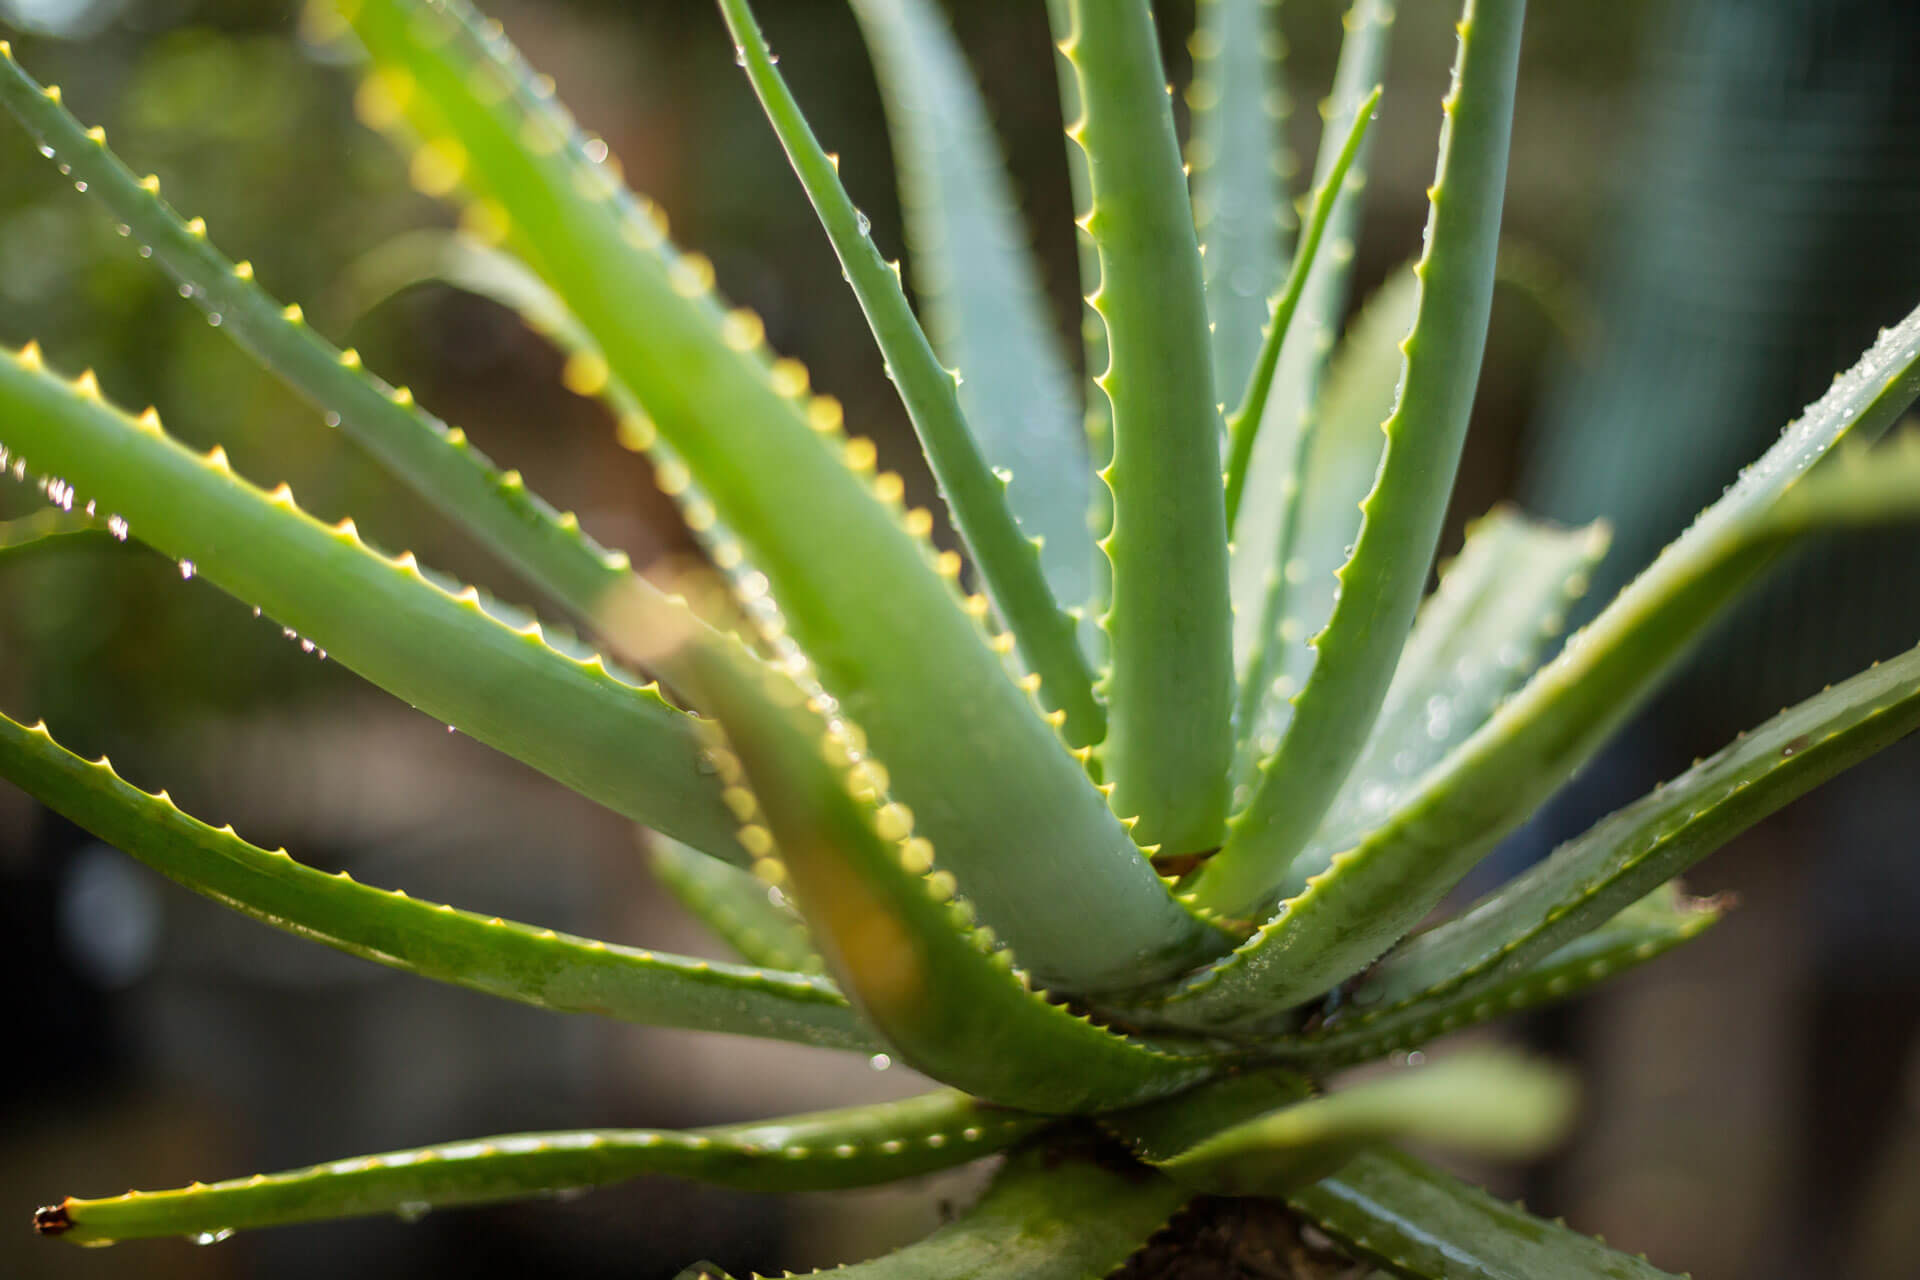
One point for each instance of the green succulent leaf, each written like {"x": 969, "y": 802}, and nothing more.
{"x": 1245, "y": 422}
{"x": 46, "y": 527}
{"x": 1339, "y": 449}
{"x": 1048, "y": 1215}
{"x": 1348, "y": 1034}
{"x": 1159, "y": 1131}
{"x": 889, "y": 637}
{"x": 737, "y": 907}
{"x": 1006, "y": 560}
{"x": 1477, "y": 638}
{"x": 1170, "y": 686}
{"x": 1421, "y": 1223}
{"x": 1240, "y": 162}
{"x": 501, "y": 958}
{"x": 463, "y": 261}
{"x": 438, "y": 462}
{"x": 979, "y": 287}
{"x": 1261, "y": 543}
{"x": 499, "y": 681}
{"x": 1488, "y": 1102}
{"x": 1372, "y": 894}
{"x": 856, "y": 1147}
{"x": 941, "y": 990}
{"x": 1382, "y": 582}
{"x": 1098, "y": 419}
{"x": 1623, "y": 857}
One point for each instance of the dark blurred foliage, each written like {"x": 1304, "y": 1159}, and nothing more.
{"x": 166, "y": 1040}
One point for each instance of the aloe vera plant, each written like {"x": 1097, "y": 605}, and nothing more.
{"x": 1125, "y": 841}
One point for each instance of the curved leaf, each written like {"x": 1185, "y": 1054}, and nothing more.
{"x": 1006, "y": 560}
{"x": 979, "y": 286}
{"x": 1339, "y": 448}
{"x": 856, "y": 1147}
{"x": 1383, "y": 580}
{"x": 564, "y": 715}
{"x": 1348, "y": 1035}
{"x": 1422, "y": 1223}
{"x": 546, "y": 547}
{"x": 1240, "y": 162}
{"x": 499, "y": 957}
{"x": 1477, "y": 637}
{"x": 1245, "y": 422}
{"x": 1261, "y": 545}
{"x": 942, "y": 991}
{"x": 1371, "y": 895}
{"x": 44, "y": 527}
{"x": 1170, "y": 687}
{"x": 1626, "y": 855}
{"x": 1489, "y": 1102}
{"x": 863, "y": 593}
{"x": 736, "y": 906}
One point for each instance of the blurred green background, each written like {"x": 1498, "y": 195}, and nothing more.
{"x": 164, "y": 1041}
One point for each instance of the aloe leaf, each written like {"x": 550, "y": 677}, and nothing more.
{"x": 1422, "y": 1223}
{"x": 1260, "y": 544}
{"x": 564, "y": 715}
{"x": 1098, "y": 411}
{"x": 979, "y": 287}
{"x": 1371, "y": 895}
{"x": 1350, "y": 1034}
{"x": 1339, "y": 449}
{"x": 534, "y": 966}
{"x": 941, "y": 991}
{"x": 438, "y": 462}
{"x": 1048, "y": 1215}
{"x": 855, "y": 1147}
{"x": 737, "y": 907}
{"x": 862, "y": 592}
{"x": 1624, "y": 856}
{"x": 1240, "y": 162}
{"x": 464, "y": 261}
{"x": 1170, "y": 687}
{"x": 1245, "y": 422}
{"x": 1477, "y": 637}
{"x": 1158, "y": 1131}
{"x": 44, "y": 527}
{"x": 1004, "y": 557}
{"x": 1487, "y": 1102}
{"x": 1381, "y": 583}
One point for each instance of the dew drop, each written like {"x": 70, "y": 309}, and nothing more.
{"x": 256, "y": 611}
{"x": 65, "y": 168}
{"x": 451, "y": 729}
{"x": 123, "y": 229}
{"x": 46, "y": 151}
{"x": 187, "y": 569}
{"x": 80, "y": 185}
{"x": 412, "y": 1210}
{"x": 117, "y": 527}
{"x": 739, "y": 55}
{"x": 862, "y": 221}
{"x": 186, "y": 290}
{"x": 331, "y": 418}
{"x": 146, "y": 251}
{"x": 214, "y": 1236}
{"x": 213, "y": 318}
{"x": 306, "y": 645}
{"x": 596, "y": 149}
{"x": 880, "y": 1062}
